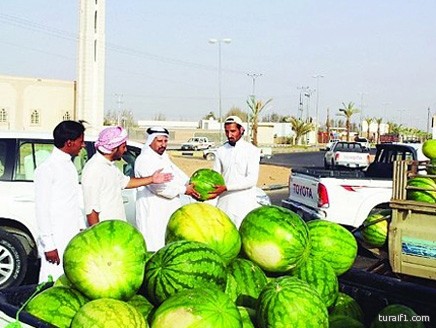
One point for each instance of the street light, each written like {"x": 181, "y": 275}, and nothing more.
{"x": 219, "y": 42}
{"x": 317, "y": 77}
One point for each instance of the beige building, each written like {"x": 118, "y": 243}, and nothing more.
{"x": 35, "y": 104}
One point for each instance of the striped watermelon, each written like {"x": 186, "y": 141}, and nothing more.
{"x": 141, "y": 304}
{"x": 290, "y": 302}
{"x": 250, "y": 280}
{"x": 403, "y": 315}
{"x": 202, "y": 307}
{"x": 207, "y": 224}
{"x": 106, "y": 260}
{"x": 348, "y": 306}
{"x": 107, "y": 312}
{"x": 63, "y": 281}
{"x": 375, "y": 228}
{"x": 343, "y": 321}
{"x": 333, "y": 243}
{"x": 320, "y": 275}
{"x": 429, "y": 148}
{"x": 231, "y": 289}
{"x": 56, "y": 305}
{"x": 426, "y": 196}
{"x": 274, "y": 238}
{"x": 183, "y": 265}
{"x": 248, "y": 316}
{"x": 205, "y": 181}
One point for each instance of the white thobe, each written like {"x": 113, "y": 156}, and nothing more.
{"x": 58, "y": 209}
{"x": 156, "y": 202}
{"x": 102, "y": 184}
{"x": 239, "y": 166}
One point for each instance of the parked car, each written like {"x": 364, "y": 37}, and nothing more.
{"x": 331, "y": 143}
{"x": 197, "y": 143}
{"x": 20, "y": 154}
{"x": 364, "y": 142}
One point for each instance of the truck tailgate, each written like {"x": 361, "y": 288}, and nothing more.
{"x": 304, "y": 189}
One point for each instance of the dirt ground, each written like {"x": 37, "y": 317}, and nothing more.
{"x": 269, "y": 174}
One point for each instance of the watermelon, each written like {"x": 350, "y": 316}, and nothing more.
{"x": 56, "y": 305}
{"x": 342, "y": 321}
{"x": 348, "y": 306}
{"x": 250, "y": 280}
{"x": 274, "y": 238}
{"x": 396, "y": 315}
{"x": 63, "y": 281}
{"x": 429, "y": 148}
{"x": 426, "y": 196}
{"x": 375, "y": 228}
{"x": 205, "y": 181}
{"x": 320, "y": 275}
{"x": 248, "y": 316}
{"x": 332, "y": 243}
{"x": 141, "y": 304}
{"x": 290, "y": 302}
{"x": 199, "y": 307}
{"x": 107, "y": 312}
{"x": 207, "y": 224}
{"x": 183, "y": 265}
{"x": 231, "y": 289}
{"x": 106, "y": 260}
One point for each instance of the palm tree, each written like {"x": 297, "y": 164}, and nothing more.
{"x": 378, "y": 120}
{"x": 256, "y": 107}
{"x": 300, "y": 128}
{"x": 368, "y": 121}
{"x": 348, "y": 111}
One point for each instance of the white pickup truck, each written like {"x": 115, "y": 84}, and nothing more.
{"x": 197, "y": 143}
{"x": 347, "y": 197}
{"x": 347, "y": 154}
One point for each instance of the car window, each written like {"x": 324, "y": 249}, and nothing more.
{"x": 2, "y": 157}
{"x": 30, "y": 155}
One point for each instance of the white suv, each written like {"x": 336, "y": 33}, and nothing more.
{"x": 20, "y": 154}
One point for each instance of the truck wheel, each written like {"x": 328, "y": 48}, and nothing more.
{"x": 210, "y": 156}
{"x": 13, "y": 260}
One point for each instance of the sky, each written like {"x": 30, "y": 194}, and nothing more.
{"x": 380, "y": 55}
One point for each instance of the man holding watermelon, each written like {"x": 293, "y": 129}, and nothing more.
{"x": 57, "y": 198}
{"x": 103, "y": 182}
{"x": 155, "y": 203}
{"x": 238, "y": 161}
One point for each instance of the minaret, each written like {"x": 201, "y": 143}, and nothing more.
{"x": 91, "y": 62}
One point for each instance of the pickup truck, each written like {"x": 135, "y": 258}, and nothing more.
{"x": 197, "y": 143}
{"x": 347, "y": 154}
{"x": 347, "y": 197}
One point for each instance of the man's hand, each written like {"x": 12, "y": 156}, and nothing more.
{"x": 217, "y": 191}
{"x": 190, "y": 191}
{"x": 53, "y": 257}
{"x": 159, "y": 177}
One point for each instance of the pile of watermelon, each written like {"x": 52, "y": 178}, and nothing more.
{"x": 275, "y": 271}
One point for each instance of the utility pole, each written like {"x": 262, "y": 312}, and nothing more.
{"x": 317, "y": 77}
{"x": 300, "y": 107}
{"x": 119, "y": 102}
{"x": 428, "y": 121}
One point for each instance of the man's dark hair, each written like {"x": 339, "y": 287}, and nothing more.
{"x": 67, "y": 130}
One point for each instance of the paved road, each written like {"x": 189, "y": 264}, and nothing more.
{"x": 297, "y": 159}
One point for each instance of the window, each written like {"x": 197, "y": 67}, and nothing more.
{"x": 3, "y": 115}
{"x": 2, "y": 158}
{"x": 30, "y": 155}
{"x": 34, "y": 117}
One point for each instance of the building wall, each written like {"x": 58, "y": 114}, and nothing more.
{"x": 35, "y": 104}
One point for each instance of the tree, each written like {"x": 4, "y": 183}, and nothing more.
{"x": 300, "y": 128}
{"x": 379, "y": 122}
{"x": 210, "y": 115}
{"x": 368, "y": 121}
{"x": 348, "y": 111}
{"x": 256, "y": 107}
{"x": 236, "y": 111}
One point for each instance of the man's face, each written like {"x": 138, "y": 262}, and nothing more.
{"x": 119, "y": 152}
{"x": 73, "y": 147}
{"x": 233, "y": 132}
{"x": 159, "y": 144}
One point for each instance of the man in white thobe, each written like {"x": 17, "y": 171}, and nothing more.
{"x": 238, "y": 161}
{"x": 58, "y": 201}
{"x": 155, "y": 203}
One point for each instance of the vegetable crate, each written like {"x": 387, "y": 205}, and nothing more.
{"x": 412, "y": 231}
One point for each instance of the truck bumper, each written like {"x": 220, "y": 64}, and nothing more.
{"x": 305, "y": 212}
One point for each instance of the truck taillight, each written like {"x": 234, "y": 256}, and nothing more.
{"x": 323, "y": 196}
{"x": 336, "y": 156}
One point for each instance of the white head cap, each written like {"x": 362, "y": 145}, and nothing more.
{"x": 233, "y": 119}
{"x": 155, "y": 132}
